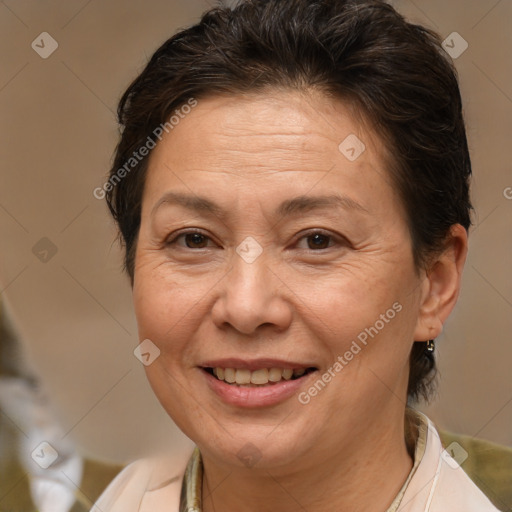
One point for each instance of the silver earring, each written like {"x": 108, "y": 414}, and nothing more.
{"x": 430, "y": 346}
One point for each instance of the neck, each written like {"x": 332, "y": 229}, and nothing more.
{"x": 366, "y": 474}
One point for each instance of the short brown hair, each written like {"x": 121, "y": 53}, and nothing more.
{"x": 363, "y": 52}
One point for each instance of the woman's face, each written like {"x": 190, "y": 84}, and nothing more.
{"x": 271, "y": 245}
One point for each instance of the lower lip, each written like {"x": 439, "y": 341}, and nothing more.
{"x": 252, "y": 397}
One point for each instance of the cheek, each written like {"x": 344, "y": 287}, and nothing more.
{"x": 348, "y": 296}
{"x": 159, "y": 298}
{"x": 371, "y": 305}
{"x": 169, "y": 310}
{"x": 157, "y": 308}
{"x": 153, "y": 306}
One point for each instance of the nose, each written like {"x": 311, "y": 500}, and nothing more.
{"x": 252, "y": 298}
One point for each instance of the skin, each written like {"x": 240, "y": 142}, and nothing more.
{"x": 345, "y": 449}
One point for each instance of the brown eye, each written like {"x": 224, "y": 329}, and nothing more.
{"x": 190, "y": 240}
{"x": 318, "y": 241}
{"x": 195, "y": 240}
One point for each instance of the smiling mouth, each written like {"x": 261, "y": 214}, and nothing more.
{"x": 257, "y": 378}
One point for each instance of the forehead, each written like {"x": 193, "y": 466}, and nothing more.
{"x": 267, "y": 141}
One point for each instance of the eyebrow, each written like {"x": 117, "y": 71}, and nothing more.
{"x": 296, "y": 205}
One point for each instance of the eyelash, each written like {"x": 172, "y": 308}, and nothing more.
{"x": 332, "y": 239}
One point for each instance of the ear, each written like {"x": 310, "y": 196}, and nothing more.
{"x": 441, "y": 285}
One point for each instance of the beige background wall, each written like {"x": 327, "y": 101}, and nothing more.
{"x": 73, "y": 312}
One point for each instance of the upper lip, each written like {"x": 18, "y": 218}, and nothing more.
{"x": 254, "y": 364}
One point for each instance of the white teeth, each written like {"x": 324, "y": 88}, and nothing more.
{"x": 287, "y": 373}
{"x": 245, "y": 377}
{"x": 229, "y": 375}
{"x": 275, "y": 374}
{"x": 259, "y": 376}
